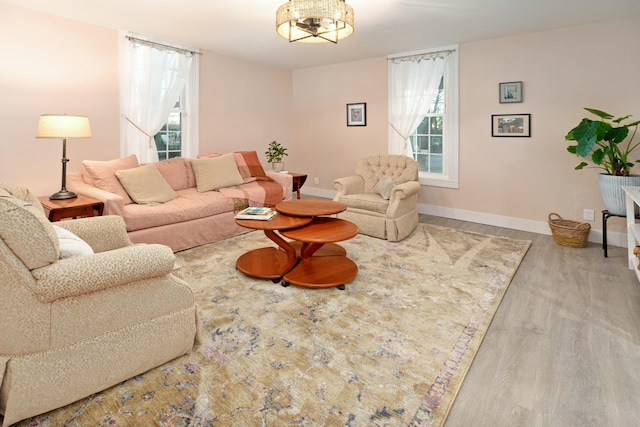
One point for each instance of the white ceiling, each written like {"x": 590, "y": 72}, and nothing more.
{"x": 245, "y": 29}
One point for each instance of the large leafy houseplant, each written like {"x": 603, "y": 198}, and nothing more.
{"x": 604, "y": 141}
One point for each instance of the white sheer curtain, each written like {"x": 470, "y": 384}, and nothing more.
{"x": 414, "y": 83}
{"x": 155, "y": 77}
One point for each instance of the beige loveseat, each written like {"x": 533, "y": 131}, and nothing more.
{"x": 81, "y": 308}
{"x": 201, "y": 212}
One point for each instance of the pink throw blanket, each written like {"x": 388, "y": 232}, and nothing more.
{"x": 259, "y": 192}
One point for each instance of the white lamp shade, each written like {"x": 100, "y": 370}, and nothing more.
{"x": 63, "y": 126}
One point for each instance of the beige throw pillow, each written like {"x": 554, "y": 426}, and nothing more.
{"x": 145, "y": 185}
{"x": 384, "y": 187}
{"x": 217, "y": 172}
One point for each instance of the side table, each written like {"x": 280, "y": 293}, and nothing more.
{"x": 80, "y": 206}
{"x": 298, "y": 181}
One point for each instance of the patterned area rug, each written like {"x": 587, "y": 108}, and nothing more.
{"x": 391, "y": 349}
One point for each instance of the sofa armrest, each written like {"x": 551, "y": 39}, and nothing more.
{"x": 113, "y": 204}
{"x": 353, "y": 184}
{"x": 102, "y": 233}
{"x": 285, "y": 180}
{"x": 76, "y": 276}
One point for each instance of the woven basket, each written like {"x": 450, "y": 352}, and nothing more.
{"x": 567, "y": 232}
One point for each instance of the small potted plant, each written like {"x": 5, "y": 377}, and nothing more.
{"x": 605, "y": 143}
{"x": 275, "y": 152}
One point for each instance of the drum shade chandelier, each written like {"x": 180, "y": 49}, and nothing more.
{"x": 314, "y": 21}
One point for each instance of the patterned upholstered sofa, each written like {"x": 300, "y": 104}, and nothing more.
{"x": 72, "y": 326}
{"x": 206, "y": 194}
{"x": 382, "y": 196}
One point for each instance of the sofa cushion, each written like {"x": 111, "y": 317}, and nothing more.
{"x": 71, "y": 246}
{"x": 216, "y": 172}
{"x": 102, "y": 174}
{"x": 27, "y": 232}
{"x": 247, "y": 161}
{"x": 189, "y": 205}
{"x": 177, "y": 172}
{"x": 145, "y": 185}
{"x": 369, "y": 202}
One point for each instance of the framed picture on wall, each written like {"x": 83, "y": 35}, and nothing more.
{"x": 510, "y": 92}
{"x": 357, "y": 114}
{"x": 511, "y": 125}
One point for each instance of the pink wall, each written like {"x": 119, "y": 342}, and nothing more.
{"x": 52, "y": 65}
{"x": 324, "y": 147}
{"x": 243, "y": 106}
{"x": 502, "y": 178}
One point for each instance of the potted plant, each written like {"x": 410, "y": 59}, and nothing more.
{"x": 275, "y": 152}
{"x": 605, "y": 142}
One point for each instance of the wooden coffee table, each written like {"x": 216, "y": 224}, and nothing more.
{"x": 324, "y": 271}
{"x": 332, "y": 268}
{"x": 270, "y": 262}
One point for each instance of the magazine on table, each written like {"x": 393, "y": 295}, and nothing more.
{"x": 255, "y": 212}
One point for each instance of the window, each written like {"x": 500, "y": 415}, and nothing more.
{"x": 169, "y": 139}
{"x": 159, "y": 101}
{"x": 423, "y": 113}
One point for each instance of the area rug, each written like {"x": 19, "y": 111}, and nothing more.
{"x": 392, "y": 349}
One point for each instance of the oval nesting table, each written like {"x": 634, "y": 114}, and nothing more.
{"x": 312, "y": 259}
{"x": 270, "y": 263}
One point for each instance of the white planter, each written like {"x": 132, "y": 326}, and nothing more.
{"x": 277, "y": 166}
{"x": 612, "y": 194}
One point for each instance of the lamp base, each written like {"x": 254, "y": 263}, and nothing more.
{"x": 63, "y": 195}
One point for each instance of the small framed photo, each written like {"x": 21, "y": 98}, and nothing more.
{"x": 512, "y": 125}
{"x": 357, "y": 114}
{"x": 510, "y": 92}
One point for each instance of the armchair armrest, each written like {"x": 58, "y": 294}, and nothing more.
{"x": 113, "y": 204}
{"x": 404, "y": 190}
{"x": 403, "y": 198}
{"x": 353, "y": 184}
{"x": 102, "y": 233}
{"x": 285, "y": 180}
{"x": 76, "y": 276}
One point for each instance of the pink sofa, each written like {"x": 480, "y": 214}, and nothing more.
{"x": 192, "y": 218}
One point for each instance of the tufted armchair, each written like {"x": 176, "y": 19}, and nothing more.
{"x": 381, "y": 197}
{"x": 74, "y": 326}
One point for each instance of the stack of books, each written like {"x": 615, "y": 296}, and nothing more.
{"x": 259, "y": 213}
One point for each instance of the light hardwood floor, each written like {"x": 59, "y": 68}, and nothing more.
{"x": 564, "y": 346}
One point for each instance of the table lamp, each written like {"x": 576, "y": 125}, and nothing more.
{"x": 64, "y": 127}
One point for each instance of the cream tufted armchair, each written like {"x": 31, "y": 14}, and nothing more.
{"x": 74, "y": 326}
{"x": 381, "y": 197}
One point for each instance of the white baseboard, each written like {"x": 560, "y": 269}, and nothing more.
{"x": 540, "y": 227}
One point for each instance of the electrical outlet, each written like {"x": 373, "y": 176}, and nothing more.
{"x": 316, "y": 180}
{"x": 589, "y": 215}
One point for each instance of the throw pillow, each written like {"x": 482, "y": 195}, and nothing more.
{"x": 217, "y": 172}
{"x": 71, "y": 246}
{"x": 102, "y": 174}
{"x": 384, "y": 187}
{"x": 145, "y": 185}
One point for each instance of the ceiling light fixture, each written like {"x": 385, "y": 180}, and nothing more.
{"x": 313, "y": 21}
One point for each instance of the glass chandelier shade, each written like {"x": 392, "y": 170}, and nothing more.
{"x": 313, "y": 21}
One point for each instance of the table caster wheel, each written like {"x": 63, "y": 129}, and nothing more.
{"x": 341, "y": 287}
{"x": 285, "y": 284}
{"x": 275, "y": 280}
